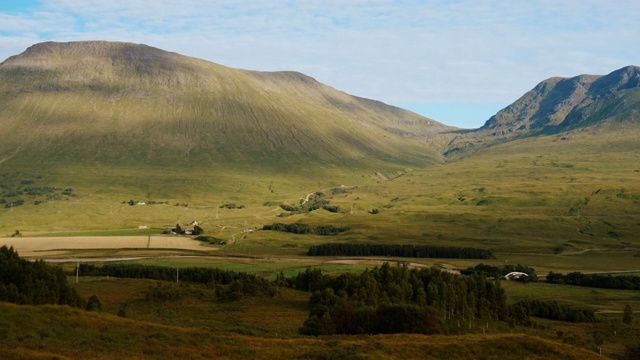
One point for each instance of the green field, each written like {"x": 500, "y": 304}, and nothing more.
{"x": 555, "y": 205}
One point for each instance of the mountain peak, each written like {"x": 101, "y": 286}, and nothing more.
{"x": 90, "y": 47}
{"x": 548, "y": 105}
{"x": 560, "y": 104}
{"x": 625, "y": 78}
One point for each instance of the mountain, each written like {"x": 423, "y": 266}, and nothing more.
{"x": 559, "y": 105}
{"x": 116, "y": 104}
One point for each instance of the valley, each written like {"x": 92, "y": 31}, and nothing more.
{"x": 98, "y": 161}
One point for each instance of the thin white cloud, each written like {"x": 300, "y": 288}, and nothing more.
{"x": 394, "y": 51}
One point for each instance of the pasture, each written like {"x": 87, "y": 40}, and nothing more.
{"x": 48, "y": 247}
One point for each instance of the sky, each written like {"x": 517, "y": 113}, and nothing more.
{"x": 455, "y": 61}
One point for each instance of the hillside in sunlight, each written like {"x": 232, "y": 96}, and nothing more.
{"x": 120, "y": 104}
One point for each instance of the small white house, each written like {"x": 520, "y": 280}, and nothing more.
{"x": 515, "y": 275}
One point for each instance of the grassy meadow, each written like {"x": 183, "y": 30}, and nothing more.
{"x": 559, "y": 203}
{"x": 553, "y": 204}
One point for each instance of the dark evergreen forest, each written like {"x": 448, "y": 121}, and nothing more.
{"x": 391, "y": 299}
{"x": 228, "y": 284}
{"x": 417, "y": 251}
{"x": 33, "y": 283}
{"x": 297, "y": 228}
{"x": 603, "y": 281}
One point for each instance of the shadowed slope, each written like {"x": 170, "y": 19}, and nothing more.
{"x": 558, "y": 105}
{"x": 30, "y": 333}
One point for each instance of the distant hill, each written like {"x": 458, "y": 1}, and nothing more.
{"x": 559, "y": 105}
{"x": 116, "y": 104}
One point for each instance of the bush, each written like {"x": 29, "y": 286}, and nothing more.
{"x": 162, "y": 292}
{"x": 93, "y": 304}
{"x": 334, "y": 209}
{"x": 211, "y": 240}
{"x": 231, "y": 206}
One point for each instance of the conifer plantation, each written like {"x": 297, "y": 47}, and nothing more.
{"x": 33, "y": 282}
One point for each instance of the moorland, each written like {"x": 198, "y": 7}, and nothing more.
{"x": 105, "y": 145}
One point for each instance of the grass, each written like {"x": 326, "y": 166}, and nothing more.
{"x": 261, "y": 316}
{"x": 534, "y": 204}
{"x": 197, "y": 326}
{"x": 606, "y": 300}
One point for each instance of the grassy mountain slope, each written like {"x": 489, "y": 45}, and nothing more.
{"x": 119, "y": 121}
{"x": 571, "y": 199}
{"x": 119, "y": 104}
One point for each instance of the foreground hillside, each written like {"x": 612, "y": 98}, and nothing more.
{"x": 65, "y": 333}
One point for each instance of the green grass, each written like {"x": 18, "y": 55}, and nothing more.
{"x": 585, "y": 297}
{"x": 197, "y": 326}
{"x": 90, "y": 335}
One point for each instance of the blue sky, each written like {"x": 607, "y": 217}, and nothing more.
{"x": 456, "y": 61}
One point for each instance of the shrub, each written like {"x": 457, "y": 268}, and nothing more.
{"x": 93, "y": 304}
{"x": 333, "y": 209}
{"x": 162, "y": 292}
{"x": 13, "y": 203}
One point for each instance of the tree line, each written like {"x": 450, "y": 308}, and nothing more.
{"x": 417, "y": 251}
{"x": 523, "y": 309}
{"x": 33, "y": 283}
{"x": 228, "y": 284}
{"x": 191, "y": 274}
{"x": 298, "y": 228}
{"x": 604, "y": 281}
